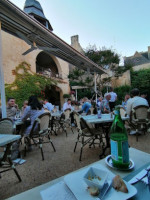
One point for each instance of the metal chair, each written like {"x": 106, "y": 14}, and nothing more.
{"x": 123, "y": 112}
{"x": 43, "y": 131}
{"x": 139, "y": 119}
{"x": 63, "y": 122}
{"x": 67, "y": 121}
{"x": 6, "y": 126}
{"x": 58, "y": 123}
{"x": 86, "y": 135}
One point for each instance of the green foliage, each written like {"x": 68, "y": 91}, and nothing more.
{"x": 121, "y": 92}
{"x": 107, "y": 59}
{"x": 80, "y": 77}
{"x": 85, "y": 93}
{"x": 66, "y": 96}
{"x": 26, "y": 84}
{"x": 141, "y": 80}
{"x": 102, "y": 57}
{"x": 118, "y": 71}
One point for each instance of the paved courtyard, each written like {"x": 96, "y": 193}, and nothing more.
{"x": 36, "y": 172}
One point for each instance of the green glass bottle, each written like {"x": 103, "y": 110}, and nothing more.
{"x": 119, "y": 142}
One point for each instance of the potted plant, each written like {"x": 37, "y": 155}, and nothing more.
{"x": 66, "y": 96}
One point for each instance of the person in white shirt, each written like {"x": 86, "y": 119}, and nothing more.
{"x": 48, "y": 105}
{"x": 113, "y": 99}
{"x": 136, "y": 100}
{"x": 133, "y": 102}
{"x": 67, "y": 105}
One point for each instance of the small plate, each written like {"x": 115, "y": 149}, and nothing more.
{"x": 76, "y": 184}
{"x": 108, "y": 161}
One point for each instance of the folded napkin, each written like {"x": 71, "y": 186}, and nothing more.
{"x": 141, "y": 175}
{"x": 57, "y": 192}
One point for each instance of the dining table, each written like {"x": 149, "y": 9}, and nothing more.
{"x": 105, "y": 121}
{"x": 6, "y": 141}
{"x": 72, "y": 186}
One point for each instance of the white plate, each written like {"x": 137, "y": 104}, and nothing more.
{"x": 108, "y": 161}
{"x": 77, "y": 185}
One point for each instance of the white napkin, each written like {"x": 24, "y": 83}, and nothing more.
{"x": 139, "y": 176}
{"x": 57, "y": 192}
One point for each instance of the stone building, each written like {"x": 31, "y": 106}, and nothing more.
{"x": 140, "y": 60}
{"x": 40, "y": 61}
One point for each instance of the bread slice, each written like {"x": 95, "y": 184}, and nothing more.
{"x": 94, "y": 191}
{"x": 119, "y": 185}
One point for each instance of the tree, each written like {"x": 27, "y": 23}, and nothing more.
{"x": 105, "y": 58}
{"x": 108, "y": 60}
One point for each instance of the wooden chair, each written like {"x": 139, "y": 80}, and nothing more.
{"x": 37, "y": 137}
{"x": 139, "y": 119}
{"x": 86, "y": 135}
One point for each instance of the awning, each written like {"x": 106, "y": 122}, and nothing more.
{"x": 14, "y": 21}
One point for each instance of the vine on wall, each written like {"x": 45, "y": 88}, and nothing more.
{"x": 27, "y": 83}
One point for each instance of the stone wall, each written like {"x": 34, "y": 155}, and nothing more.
{"x": 12, "y": 49}
{"x": 125, "y": 79}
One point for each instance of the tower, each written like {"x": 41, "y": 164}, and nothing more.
{"x": 34, "y": 9}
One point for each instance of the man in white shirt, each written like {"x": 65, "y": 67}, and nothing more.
{"x": 113, "y": 99}
{"x": 67, "y": 105}
{"x": 135, "y": 101}
{"x": 48, "y": 105}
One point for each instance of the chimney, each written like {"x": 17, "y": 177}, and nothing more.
{"x": 149, "y": 52}
{"x": 74, "y": 40}
{"x": 75, "y": 43}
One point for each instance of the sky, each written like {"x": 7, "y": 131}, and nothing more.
{"x": 122, "y": 25}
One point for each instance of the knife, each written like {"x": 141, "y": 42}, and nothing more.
{"x": 138, "y": 177}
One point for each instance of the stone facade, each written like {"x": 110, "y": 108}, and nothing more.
{"x": 12, "y": 49}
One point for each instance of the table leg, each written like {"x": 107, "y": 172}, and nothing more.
{"x": 7, "y": 157}
{"x": 52, "y": 126}
{"x": 106, "y": 130}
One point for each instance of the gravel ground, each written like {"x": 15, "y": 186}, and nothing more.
{"x": 35, "y": 172}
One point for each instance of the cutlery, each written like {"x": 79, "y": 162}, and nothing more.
{"x": 138, "y": 177}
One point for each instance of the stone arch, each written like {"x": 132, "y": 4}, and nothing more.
{"x": 58, "y": 65}
{"x": 46, "y": 65}
{"x": 53, "y": 94}
{"x": 49, "y": 66}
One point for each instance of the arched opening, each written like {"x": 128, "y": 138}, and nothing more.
{"x": 45, "y": 65}
{"x": 53, "y": 95}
